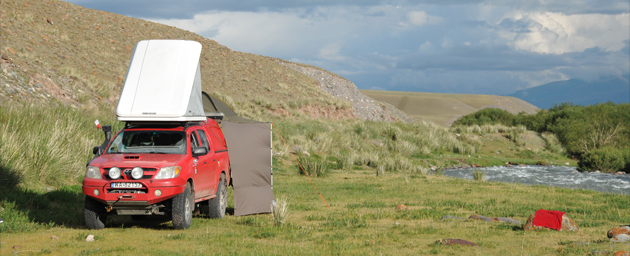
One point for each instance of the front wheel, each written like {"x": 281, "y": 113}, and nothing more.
{"x": 95, "y": 214}
{"x": 217, "y": 205}
{"x": 182, "y": 209}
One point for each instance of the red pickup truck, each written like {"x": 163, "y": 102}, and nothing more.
{"x": 158, "y": 168}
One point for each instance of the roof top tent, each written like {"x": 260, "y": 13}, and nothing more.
{"x": 163, "y": 84}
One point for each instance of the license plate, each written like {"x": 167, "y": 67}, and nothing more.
{"x": 126, "y": 185}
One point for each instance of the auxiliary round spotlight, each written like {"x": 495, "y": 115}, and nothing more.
{"x": 158, "y": 192}
{"x": 137, "y": 173}
{"x": 96, "y": 192}
{"x": 114, "y": 173}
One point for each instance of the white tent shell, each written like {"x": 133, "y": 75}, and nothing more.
{"x": 163, "y": 83}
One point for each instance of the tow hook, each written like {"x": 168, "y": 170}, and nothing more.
{"x": 109, "y": 207}
{"x": 155, "y": 209}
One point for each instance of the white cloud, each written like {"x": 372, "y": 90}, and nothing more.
{"x": 331, "y": 52}
{"x": 556, "y": 33}
{"x": 417, "y": 18}
{"x": 420, "y": 18}
{"x": 426, "y": 47}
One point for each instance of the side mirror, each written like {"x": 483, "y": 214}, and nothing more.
{"x": 200, "y": 151}
{"x": 95, "y": 150}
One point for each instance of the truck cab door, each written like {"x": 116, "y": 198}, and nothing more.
{"x": 211, "y": 166}
{"x": 201, "y": 165}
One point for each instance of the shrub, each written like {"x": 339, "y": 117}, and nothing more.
{"x": 487, "y": 116}
{"x": 606, "y": 159}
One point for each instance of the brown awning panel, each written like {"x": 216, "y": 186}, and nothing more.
{"x": 249, "y": 147}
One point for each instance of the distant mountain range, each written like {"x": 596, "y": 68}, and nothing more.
{"x": 577, "y": 91}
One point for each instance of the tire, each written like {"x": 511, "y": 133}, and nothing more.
{"x": 95, "y": 214}
{"x": 182, "y": 209}
{"x": 217, "y": 205}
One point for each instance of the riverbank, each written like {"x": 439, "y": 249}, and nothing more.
{"x": 556, "y": 176}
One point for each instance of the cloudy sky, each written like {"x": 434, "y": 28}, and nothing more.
{"x": 456, "y": 46}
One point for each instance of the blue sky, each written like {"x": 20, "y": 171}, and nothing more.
{"x": 475, "y": 46}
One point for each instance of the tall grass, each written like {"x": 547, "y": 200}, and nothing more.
{"x": 46, "y": 146}
{"x": 392, "y": 147}
{"x": 552, "y": 143}
{"x": 313, "y": 166}
{"x": 280, "y": 211}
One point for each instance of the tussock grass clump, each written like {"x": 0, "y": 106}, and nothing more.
{"x": 479, "y": 175}
{"x": 515, "y": 137}
{"x": 552, "y": 143}
{"x": 488, "y": 128}
{"x": 280, "y": 212}
{"x": 313, "y": 166}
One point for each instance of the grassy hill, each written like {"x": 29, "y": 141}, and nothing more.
{"x": 444, "y": 108}
{"x": 53, "y": 51}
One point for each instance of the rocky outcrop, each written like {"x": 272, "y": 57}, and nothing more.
{"x": 363, "y": 106}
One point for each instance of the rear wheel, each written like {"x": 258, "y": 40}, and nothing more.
{"x": 95, "y": 214}
{"x": 182, "y": 209}
{"x": 217, "y": 205}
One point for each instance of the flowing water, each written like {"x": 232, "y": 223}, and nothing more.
{"x": 557, "y": 176}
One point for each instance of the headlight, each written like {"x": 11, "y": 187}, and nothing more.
{"x": 168, "y": 172}
{"x": 137, "y": 173}
{"x": 114, "y": 173}
{"x": 93, "y": 172}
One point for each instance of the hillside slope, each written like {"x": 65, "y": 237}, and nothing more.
{"x": 444, "y": 108}
{"x": 578, "y": 92}
{"x": 53, "y": 51}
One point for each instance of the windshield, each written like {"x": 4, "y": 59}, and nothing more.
{"x": 155, "y": 142}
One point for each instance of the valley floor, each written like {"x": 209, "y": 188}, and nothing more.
{"x": 361, "y": 220}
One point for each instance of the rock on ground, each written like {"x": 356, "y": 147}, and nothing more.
{"x": 495, "y": 219}
{"x": 619, "y": 234}
{"x": 401, "y": 207}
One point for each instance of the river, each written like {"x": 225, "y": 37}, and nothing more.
{"x": 557, "y": 176}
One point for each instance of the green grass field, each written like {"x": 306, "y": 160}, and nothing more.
{"x": 444, "y": 108}
{"x": 361, "y": 220}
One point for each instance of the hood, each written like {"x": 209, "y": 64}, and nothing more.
{"x": 142, "y": 160}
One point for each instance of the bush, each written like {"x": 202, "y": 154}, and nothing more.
{"x": 487, "y": 116}
{"x": 606, "y": 159}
